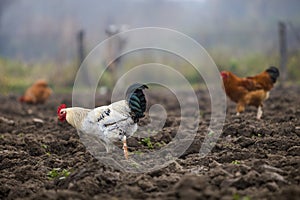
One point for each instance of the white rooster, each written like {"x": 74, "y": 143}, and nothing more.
{"x": 116, "y": 121}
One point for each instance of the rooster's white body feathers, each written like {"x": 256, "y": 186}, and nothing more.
{"x": 111, "y": 123}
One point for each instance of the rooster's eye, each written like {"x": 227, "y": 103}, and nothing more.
{"x": 61, "y": 112}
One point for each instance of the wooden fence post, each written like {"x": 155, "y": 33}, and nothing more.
{"x": 80, "y": 37}
{"x": 114, "y": 49}
{"x": 81, "y": 56}
{"x": 282, "y": 51}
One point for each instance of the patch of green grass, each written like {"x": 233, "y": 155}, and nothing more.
{"x": 135, "y": 165}
{"x": 238, "y": 197}
{"x": 20, "y": 134}
{"x": 147, "y": 141}
{"x": 160, "y": 144}
{"x": 58, "y": 173}
{"x": 65, "y": 173}
{"x": 228, "y": 145}
{"x": 20, "y": 75}
{"x": 211, "y": 133}
{"x": 236, "y": 162}
{"x": 55, "y": 172}
{"x": 44, "y": 146}
{"x": 257, "y": 135}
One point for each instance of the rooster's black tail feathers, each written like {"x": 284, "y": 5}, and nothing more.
{"x": 136, "y": 100}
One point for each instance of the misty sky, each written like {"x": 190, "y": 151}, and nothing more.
{"x": 43, "y": 30}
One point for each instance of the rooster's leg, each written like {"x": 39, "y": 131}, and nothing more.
{"x": 125, "y": 147}
{"x": 259, "y": 112}
{"x": 240, "y": 108}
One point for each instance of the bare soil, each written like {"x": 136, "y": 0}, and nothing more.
{"x": 253, "y": 159}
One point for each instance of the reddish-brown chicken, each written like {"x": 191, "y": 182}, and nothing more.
{"x": 250, "y": 90}
{"x": 39, "y": 92}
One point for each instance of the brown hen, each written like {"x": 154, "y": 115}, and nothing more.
{"x": 252, "y": 90}
{"x": 39, "y": 92}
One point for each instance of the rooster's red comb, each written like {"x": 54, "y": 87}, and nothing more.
{"x": 224, "y": 74}
{"x": 61, "y": 107}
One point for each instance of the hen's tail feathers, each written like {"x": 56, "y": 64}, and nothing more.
{"x": 136, "y": 100}
{"x": 273, "y": 72}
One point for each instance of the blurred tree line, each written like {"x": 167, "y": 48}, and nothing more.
{"x": 42, "y": 30}
{"x": 241, "y": 36}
